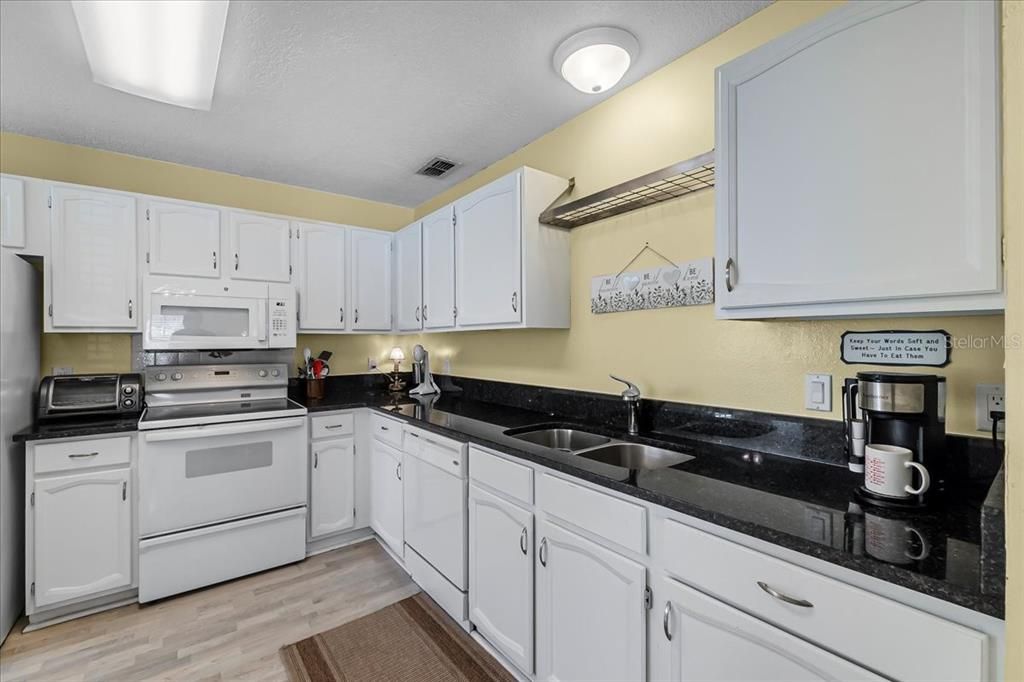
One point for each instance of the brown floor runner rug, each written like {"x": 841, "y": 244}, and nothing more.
{"x": 411, "y": 640}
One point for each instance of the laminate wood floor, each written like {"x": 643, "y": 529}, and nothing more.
{"x": 232, "y": 631}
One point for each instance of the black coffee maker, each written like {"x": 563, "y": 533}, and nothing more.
{"x": 907, "y": 410}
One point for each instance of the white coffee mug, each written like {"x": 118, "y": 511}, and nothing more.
{"x": 888, "y": 471}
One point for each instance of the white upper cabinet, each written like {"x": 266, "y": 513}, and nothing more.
{"x": 81, "y": 535}
{"x": 320, "y": 261}
{"x": 370, "y": 268}
{"x": 260, "y": 247}
{"x": 184, "y": 239}
{"x": 488, "y": 254}
{"x": 332, "y": 498}
{"x": 591, "y": 619}
{"x": 409, "y": 275}
{"x": 696, "y": 638}
{"x": 12, "y": 212}
{"x": 858, "y": 166}
{"x": 91, "y": 278}
{"x": 510, "y": 270}
{"x": 439, "y": 269}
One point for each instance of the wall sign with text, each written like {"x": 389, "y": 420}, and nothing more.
{"x": 895, "y": 347}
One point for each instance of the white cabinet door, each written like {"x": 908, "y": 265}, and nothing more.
{"x": 12, "y": 212}
{"x": 184, "y": 239}
{"x": 370, "y": 265}
{"x": 82, "y": 535}
{"x": 93, "y": 279}
{"x": 501, "y": 575}
{"x": 696, "y": 638}
{"x": 854, "y": 180}
{"x": 439, "y": 269}
{"x": 260, "y": 247}
{"x": 386, "y": 504}
{"x": 320, "y": 276}
{"x": 332, "y": 497}
{"x": 591, "y": 620}
{"x": 409, "y": 292}
{"x": 488, "y": 254}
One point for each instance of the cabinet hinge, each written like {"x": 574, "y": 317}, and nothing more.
{"x": 147, "y": 214}
{"x": 455, "y": 311}
{"x": 32, "y": 589}
{"x": 1004, "y": 250}
{"x": 648, "y": 598}
{"x": 289, "y": 271}
{"x": 49, "y": 201}
{"x": 453, "y": 220}
{"x": 32, "y": 499}
{"x": 147, "y": 256}
{"x": 49, "y": 310}
{"x": 289, "y": 233}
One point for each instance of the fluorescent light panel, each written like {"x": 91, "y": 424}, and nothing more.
{"x": 166, "y": 50}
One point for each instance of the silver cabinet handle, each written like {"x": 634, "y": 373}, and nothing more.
{"x": 124, "y": 490}
{"x": 357, "y": 316}
{"x": 542, "y": 553}
{"x": 342, "y": 314}
{"x": 398, "y": 471}
{"x": 129, "y": 308}
{"x": 417, "y": 313}
{"x": 236, "y": 261}
{"x": 515, "y": 304}
{"x": 424, "y": 312}
{"x": 665, "y": 620}
{"x": 79, "y": 455}
{"x": 316, "y": 459}
{"x": 522, "y": 540}
{"x": 730, "y": 264}
{"x": 214, "y": 260}
{"x": 803, "y": 603}
{"x": 333, "y": 426}
{"x": 385, "y": 428}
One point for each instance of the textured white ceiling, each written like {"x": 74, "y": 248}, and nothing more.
{"x": 347, "y": 97}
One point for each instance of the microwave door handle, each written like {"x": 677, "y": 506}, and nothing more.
{"x": 262, "y": 321}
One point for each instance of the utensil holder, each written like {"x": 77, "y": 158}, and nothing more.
{"x": 314, "y": 389}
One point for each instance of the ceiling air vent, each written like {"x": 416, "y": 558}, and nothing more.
{"x": 436, "y": 167}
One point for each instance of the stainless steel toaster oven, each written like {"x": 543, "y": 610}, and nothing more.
{"x": 89, "y": 395}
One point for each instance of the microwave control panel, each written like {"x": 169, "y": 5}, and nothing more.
{"x": 282, "y": 323}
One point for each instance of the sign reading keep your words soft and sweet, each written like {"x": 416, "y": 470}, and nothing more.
{"x": 908, "y": 348}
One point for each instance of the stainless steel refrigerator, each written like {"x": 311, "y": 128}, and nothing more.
{"x": 20, "y": 324}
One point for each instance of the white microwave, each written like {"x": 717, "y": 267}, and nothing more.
{"x": 184, "y": 313}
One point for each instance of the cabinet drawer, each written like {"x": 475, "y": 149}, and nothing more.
{"x": 514, "y": 480}
{"x": 387, "y": 430}
{"x": 896, "y": 640}
{"x": 81, "y": 454}
{"x": 332, "y": 425}
{"x": 444, "y": 453}
{"x": 618, "y": 521}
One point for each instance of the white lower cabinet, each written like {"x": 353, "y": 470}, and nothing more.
{"x": 501, "y": 555}
{"x": 386, "y": 505}
{"x": 591, "y": 617}
{"x": 332, "y": 498}
{"x": 81, "y": 535}
{"x": 696, "y": 637}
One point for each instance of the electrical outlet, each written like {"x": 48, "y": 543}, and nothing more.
{"x": 989, "y": 397}
{"x": 371, "y": 364}
{"x": 63, "y": 371}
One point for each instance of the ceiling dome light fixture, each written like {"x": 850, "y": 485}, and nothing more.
{"x": 595, "y": 59}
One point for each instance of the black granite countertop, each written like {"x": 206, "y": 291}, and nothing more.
{"x": 77, "y": 428}
{"x": 805, "y": 506}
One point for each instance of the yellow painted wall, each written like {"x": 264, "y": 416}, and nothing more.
{"x": 35, "y": 157}
{"x": 1013, "y": 225}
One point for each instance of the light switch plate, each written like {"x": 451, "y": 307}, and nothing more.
{"x": 982, "y": 395}
{"x": 818, "y": 392}
{"x": 371, "y": 364}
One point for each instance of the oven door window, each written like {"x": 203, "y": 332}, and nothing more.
{"x": 227, "y": 459}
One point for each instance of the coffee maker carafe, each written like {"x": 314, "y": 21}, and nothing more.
{"x": 903, "y": 410}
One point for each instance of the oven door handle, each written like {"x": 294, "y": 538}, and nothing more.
{"x": 223, "y": 430}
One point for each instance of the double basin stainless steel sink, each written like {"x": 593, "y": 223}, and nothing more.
{"x": 600, "y": 448}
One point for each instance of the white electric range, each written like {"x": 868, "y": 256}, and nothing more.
{"x": 222, "y": 476}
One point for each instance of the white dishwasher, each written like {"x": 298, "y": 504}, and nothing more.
{"x": 436, "y": 518}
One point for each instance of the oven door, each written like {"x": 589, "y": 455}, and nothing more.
{"x": 196, "y": 476}
{"x": 178, "y": 321}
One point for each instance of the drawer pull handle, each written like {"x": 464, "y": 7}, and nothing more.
{"x": 333, "y": 426}
{"x": 384, "y": 428}
{"x": 124, "y": 491}
{"x": 414, "y": 435}
{"x": 522, "y": 541}
{"x": 665, "y": 620}
{"x": 79, "y": 455}
{"x": 398, "y": 471}
{"x": 803, "y": 603}
{"x": 316, "y": 459}
{"x": 542, "y": 553}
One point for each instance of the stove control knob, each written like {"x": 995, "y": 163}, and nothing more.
{"x": 276, "y": 373}
{"x": 176, "y": 376}
{"x": 262, "y": 373}
{"x": 161, "y": 377}
{"x": 128, "y": 390}
{"x": 128, "y": 403}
